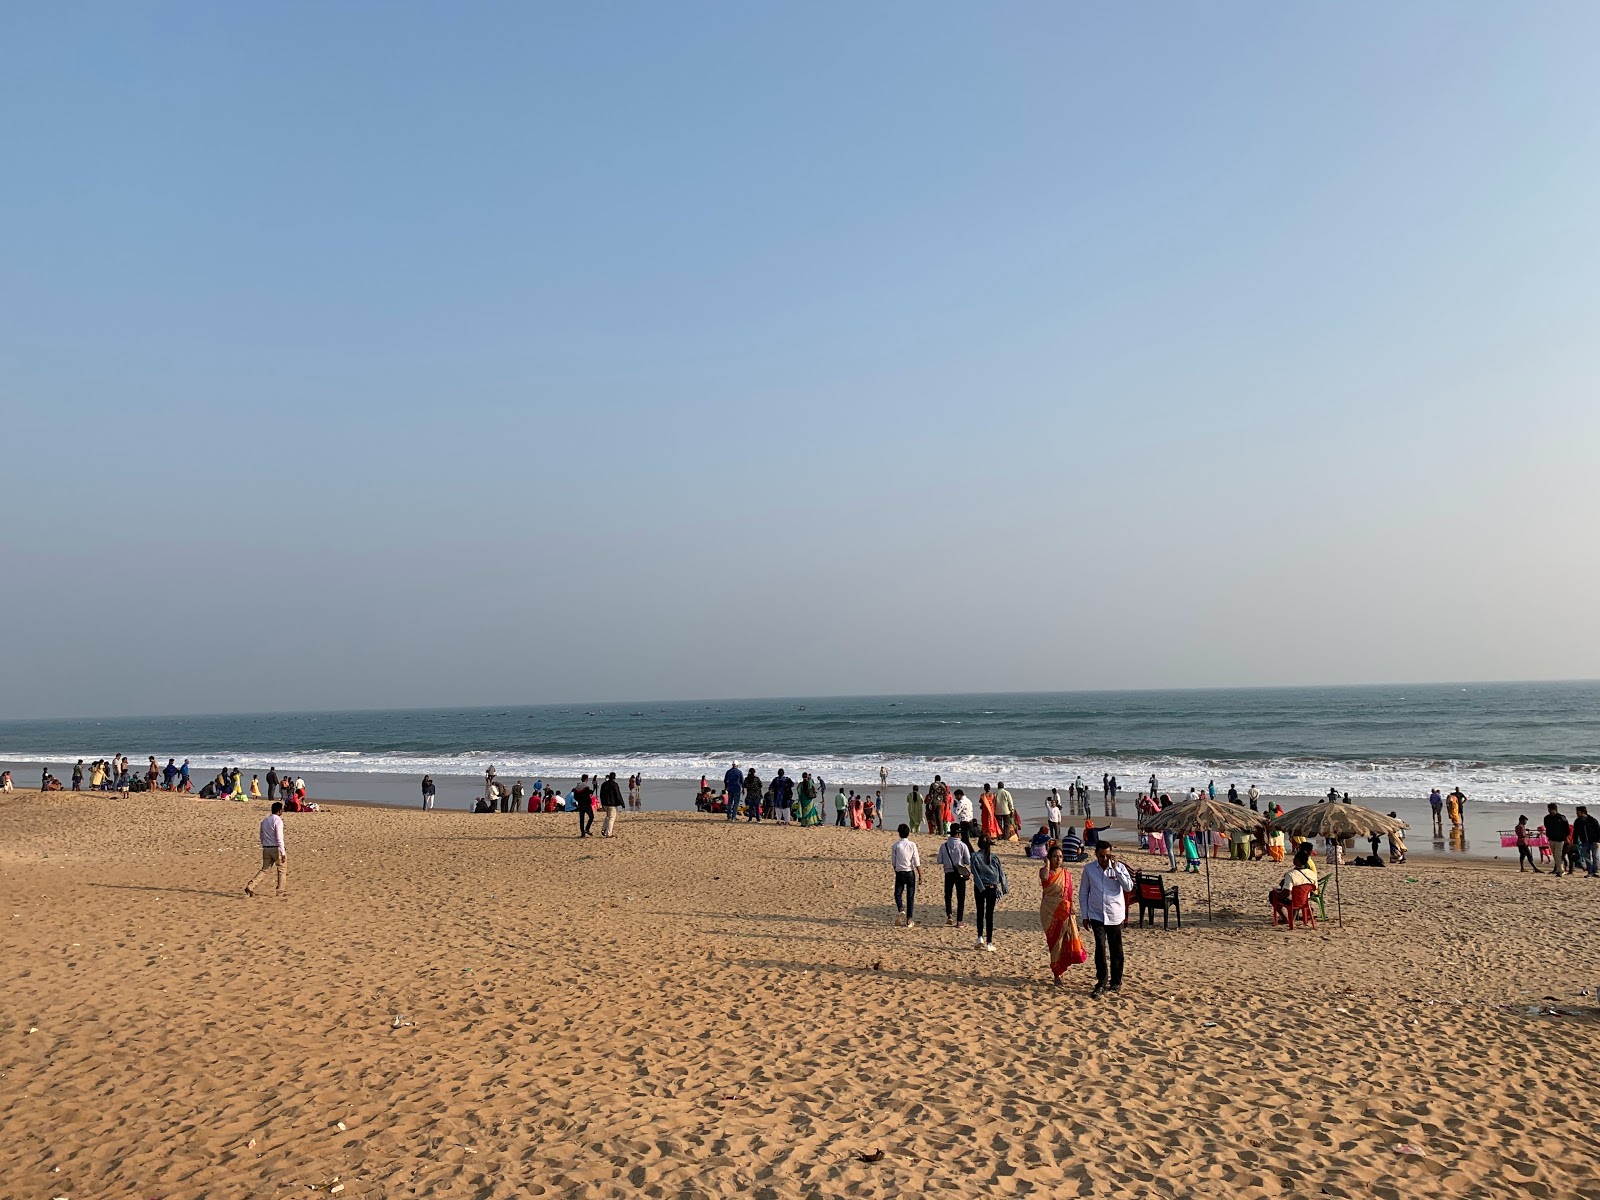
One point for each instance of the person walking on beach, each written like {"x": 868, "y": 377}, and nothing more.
{"x": 1524, "y": 853}
{"x": 583, "y": 796}
{"x": 955, "y": 856}
{"x": 77, "y": 775}
{"x": 611, "y": 801}
{"x": 1057, "y": 915}
{"x": 1436, "y": 802}
{"x": 733, "y": 781}
{"x": 988, "y": 885}
{"x": 839, "y": 804}
{"x": 427, "y": 789}
{"x": 274, "y": 853}
{"x": 1052, "y": 815}
{"x": 1105, "y": 912}
{"x": 1557, "y": 831}
{"x": 1586, "y": 836}
{"x": 907, "y": 862}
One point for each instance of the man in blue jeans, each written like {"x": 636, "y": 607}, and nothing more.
{"x": 907, "y": 860}
{"x": 733, "y": 781}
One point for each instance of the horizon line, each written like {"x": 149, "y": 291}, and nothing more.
{"x": 1274, "y": 687}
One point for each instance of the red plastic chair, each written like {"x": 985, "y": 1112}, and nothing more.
{"x": 1300, "y": 905}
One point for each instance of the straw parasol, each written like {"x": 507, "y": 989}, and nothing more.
{"x": 1339, "y": 821}
{"x": 1205, "y": 815}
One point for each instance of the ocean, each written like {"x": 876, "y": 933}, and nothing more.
{"x": 1511, "y": 742}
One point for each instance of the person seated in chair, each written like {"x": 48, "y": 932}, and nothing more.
{"x": 1302, "y": 873}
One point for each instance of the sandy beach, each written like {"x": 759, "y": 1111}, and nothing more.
{"x": 485, "y": 1006}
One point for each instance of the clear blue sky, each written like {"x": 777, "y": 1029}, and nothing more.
{"x": 371, "y": 354}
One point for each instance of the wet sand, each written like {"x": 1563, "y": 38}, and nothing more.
{"x": 491, "y": 1007}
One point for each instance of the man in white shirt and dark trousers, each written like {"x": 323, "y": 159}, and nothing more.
{"x": 1104, "y": 912}
{"x": 907, "y": 861}
{"x": 274, "y": 854}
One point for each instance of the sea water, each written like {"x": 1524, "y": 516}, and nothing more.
{"x": 1515, "y": 742}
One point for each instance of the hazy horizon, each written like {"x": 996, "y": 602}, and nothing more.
{"x": 1463, "y": 684}
{"x": 394, "y": 356}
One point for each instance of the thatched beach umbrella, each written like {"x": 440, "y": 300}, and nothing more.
{"x": 1338, "y": 821}
{"x": 1203, "y": 815}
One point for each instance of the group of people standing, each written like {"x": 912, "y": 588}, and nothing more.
{"x": 783, "y": 799}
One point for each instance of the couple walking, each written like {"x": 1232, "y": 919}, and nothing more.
{"x": 1101, "y": 901}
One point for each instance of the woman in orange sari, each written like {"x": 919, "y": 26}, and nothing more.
{"x": 988, "y": 823}
{"x": 1057, "y": 914}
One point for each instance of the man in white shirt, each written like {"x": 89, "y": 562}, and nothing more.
{"x": 955, "y": 856}
{"x": 1005, "y": 808}
{"x": 274, "y": 854}
{"x": 1104, "y": 912}
{"x": 961, "y": 814}
{"x": 1255, "y": 797}
{"x": 907, "y": 860}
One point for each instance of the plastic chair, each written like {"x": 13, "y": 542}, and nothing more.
{"x": 1153, "y": 893}
{"x": 1300, "y": 905}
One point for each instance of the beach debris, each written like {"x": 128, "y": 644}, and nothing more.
{"x": 250, "y": 1145}
{"x": 877, "y": 964}
{"x": 339, "y": 1125}
{"x": 1410, "y": 1151}
{"x": 336, "y": 1189}
{"x": 875, "y": 1156}
{"x": 400, "y": 1023}
{"x": 33, "y": 1029}
{"x": 1208, "y": 1024}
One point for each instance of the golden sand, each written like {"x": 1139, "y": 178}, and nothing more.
{"x": 484, "y": 1006}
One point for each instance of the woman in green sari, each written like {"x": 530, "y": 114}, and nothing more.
{"x": 809, "y": 813}
{"x": 914, "y": 808}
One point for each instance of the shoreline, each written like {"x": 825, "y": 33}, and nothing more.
{"x": 456, "y": 793}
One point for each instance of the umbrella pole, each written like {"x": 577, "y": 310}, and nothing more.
{"x": 1338, "y": 896}
{"x": 1206, "y": 854}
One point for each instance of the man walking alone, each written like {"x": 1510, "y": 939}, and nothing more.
{"x": 274, "y": 854}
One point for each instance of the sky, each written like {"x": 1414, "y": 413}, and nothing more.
{"x": 371, "y": 355}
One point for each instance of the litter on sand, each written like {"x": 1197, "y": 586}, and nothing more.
{"x": 1410, "y": 1151}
